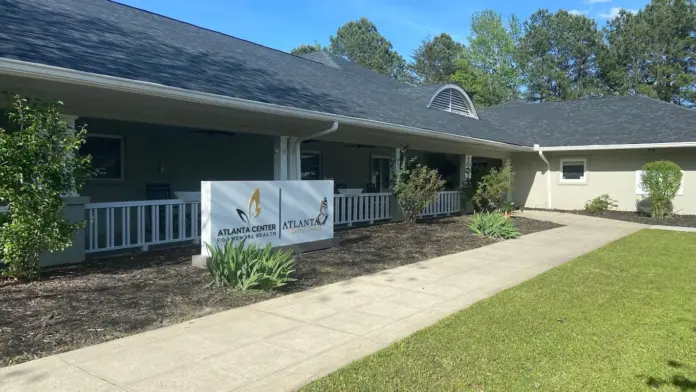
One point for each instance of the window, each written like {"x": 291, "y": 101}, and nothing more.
{"x": 573, "y": 171}
{"x": 107, "y": 156}
{"x": 381, "y": 173}
{"x": 311, "y": 165}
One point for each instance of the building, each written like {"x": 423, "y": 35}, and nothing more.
{"x": 168, "y": 104}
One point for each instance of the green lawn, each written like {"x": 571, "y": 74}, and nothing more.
{"x": 622, "y": 318}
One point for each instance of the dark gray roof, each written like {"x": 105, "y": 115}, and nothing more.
{"x": 109, "y": 38}
{"x": 595, "y": 121}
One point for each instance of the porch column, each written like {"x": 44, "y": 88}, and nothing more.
{"x": 280, "y": 159}
{"x": 508, "y": 163}
{"x": 70, "y": 130}
{"x": 397, "y": 161}
{"x": 294, "y": 159}
{"x": 465, "y": 168}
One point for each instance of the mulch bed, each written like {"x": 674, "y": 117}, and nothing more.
{"x": 81, "y": 305}
{"x": 637, "y": 217}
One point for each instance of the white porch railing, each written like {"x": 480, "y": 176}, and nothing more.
{"x": 365, "y": 207}
{"x": 133, "y": 224}
{"x": 448, "y": 202}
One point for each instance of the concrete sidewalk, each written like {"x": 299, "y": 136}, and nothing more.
{"x": 282, "y": 344}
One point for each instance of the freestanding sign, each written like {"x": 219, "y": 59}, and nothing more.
{"x": 282, "y": 213}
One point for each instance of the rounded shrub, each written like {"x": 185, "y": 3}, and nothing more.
{"x": 661, "y": 180}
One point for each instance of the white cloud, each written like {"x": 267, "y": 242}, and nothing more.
{"x": 614, "y": 12}
{"x": 596, "y": 1}
{"x": 577, "y": 12}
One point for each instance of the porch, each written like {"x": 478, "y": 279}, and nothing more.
{"x": 152, "y": 152}
{"x": 147, "y": 190}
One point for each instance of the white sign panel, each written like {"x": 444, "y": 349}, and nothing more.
{"x": 279, "y": 213}
{"x": 641, "y": 191}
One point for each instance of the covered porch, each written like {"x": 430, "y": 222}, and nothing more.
{"x": 153, "y": 151}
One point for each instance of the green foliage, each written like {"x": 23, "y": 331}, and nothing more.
{"x": 600, "y": 204}
{"x": 661, "y": 180}
{"x": 237, "y": 265}
{"x": 487, "y": 69}
{"x": 652, "y": 52}
{"x": 360, "y": 42}
{"x": 39, "y": 162}
{"x": 435, "y": 59}
{"x": 415, "y": 186}
{"x": 507, "y": 207}
{"x": 557, "y": 56}
{"x": 493, "y": 189}
{"x": 306, "y": 49}
{"x": 493, "y": 225}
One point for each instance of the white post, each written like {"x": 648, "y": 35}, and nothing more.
{"x": 70, "y": 120}
{"x": 464, "y": 168}
{"x": 294, "y": 159}
{"x": 508, "y": 163}
{"x": 280, "y": 159}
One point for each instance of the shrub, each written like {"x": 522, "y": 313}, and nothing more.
{"x": 415, "y": 186}
{"x": 39, "y": 163}
{"x": 493, "y": 225}
{"x": 600, "y": 204}
{"x": 661, "y": 180}
{"x": 237, "y": 265}
{"x": 493, "y": 189}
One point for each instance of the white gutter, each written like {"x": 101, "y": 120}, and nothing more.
{"x": 597, "y": 147}
{"x": 64, "y": 75}
{"x": 298, "y": 146}
{"x": 548, "y": 175}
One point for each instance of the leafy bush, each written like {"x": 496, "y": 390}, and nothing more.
{"x": 493, "y": 225}
{"x": 600, "y": 204}
{"x": 661, "y": 180}
{"x": 415, "y": 186}
{"x": 237, "y": 265}
{"x": 39, "y": 163}
{"x": 507, "y": 207}
{"x": 493, "y": 189}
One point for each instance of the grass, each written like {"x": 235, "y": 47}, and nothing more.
{"x": 622, "y": 318}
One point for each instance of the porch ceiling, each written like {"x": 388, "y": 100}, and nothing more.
{"x": 88, "y": 101}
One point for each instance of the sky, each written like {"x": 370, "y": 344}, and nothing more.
{"x": 285, "y": 24}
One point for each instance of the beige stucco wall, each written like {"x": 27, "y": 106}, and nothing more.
{"x": 610, "y": 172}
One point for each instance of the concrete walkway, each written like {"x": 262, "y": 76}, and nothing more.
{"x": 284, "y": 343}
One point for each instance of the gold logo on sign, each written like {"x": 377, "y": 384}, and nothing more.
{"x": 255, "y": 202}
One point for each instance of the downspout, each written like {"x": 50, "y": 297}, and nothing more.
{"x": 298, "y": 145}
{"x": 548, "y": 175}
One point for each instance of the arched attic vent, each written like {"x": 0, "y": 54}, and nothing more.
{"x": 451, "y": 98}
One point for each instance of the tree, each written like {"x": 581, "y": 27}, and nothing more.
{"x": 661, "y": 180}
{"x": 435, "y": 59}
{"x": 652, "y": 52}
{"x": 487, "y": 69}
{"x": 415, "y": 186}
{"x": 306, "y": 49}
{"x": 557, "y": 56}
{"x": 360, "y": 41}
{"x": 39, "y": 163}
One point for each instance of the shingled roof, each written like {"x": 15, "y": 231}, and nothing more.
{"x": 108, "y": 38}
{"x": 595, "y": 121}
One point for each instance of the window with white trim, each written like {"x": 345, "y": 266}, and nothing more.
{"x": 573, "y": 171}
{"x": 311, "y": 165}
{"x": 107, "y": 156}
